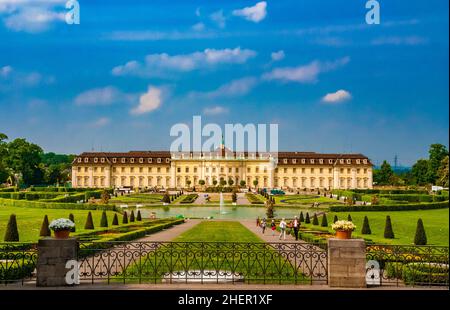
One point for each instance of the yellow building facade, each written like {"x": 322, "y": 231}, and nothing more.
{"x": 292, "y": 170}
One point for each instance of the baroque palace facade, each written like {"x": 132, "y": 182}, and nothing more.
{"x": 162, "y": 169}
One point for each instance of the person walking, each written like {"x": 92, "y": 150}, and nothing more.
{"x": 273, "y": 226}
{"x": 263, "y": 225}
{"x": 283, "y": 229}
{"x": 296, "y": 227}
{"x": 258, "y": 221}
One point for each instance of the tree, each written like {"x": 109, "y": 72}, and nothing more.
{"x": 24, "y": 159}
{"x": 384, "y": 174}
{"x": 443, "y": 173}
{"x": 324, "y": 221}
{"x": 214, "y": 182}
{"x": 12, "y": 233}
{"x": 222, "y": 182}
{"x": 89, "y": 222}
{"x": 166, "y": 198}
{"x": 307, "y": 220}
{"x": 270, "y": 212}
{"x": 388, "y": 232}
{"x": 3, "y": 155}
{"x": 115, "y": 220}
{"x": 420, "y": 238}
{"x": 366, "y": 227}
{"x": 72, "y": 218}
{"x": 104, "y": 220}
{"x": 230, "y": 182}
{"x": 242, "y": 183}
{"x": 335, "y": 219}
{"x": 419, "y": 172}
{"x": 349, "y": 218}
{"x": 374, "y": 200}
{"x": 104, "y": 197}
{"x": 234, "y": 197}
{"x": 301, "y": 218}
{"x": 436, "y": 153}
{"x": 188, "y": 182}
{"x": 315, "y": 220}
{"x": 125, "y": 218}
{"x": 138, "y": 216}
{"x": 201, "y": 182}
{"x": 45, "y": 231}
{"x": 255, "y": 183}
{"x": 132, "y": 216}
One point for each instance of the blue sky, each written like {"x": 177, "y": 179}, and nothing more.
{"x": 132, "y": 69}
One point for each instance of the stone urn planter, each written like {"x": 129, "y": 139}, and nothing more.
{"x": 62, "y": 234}
{"x": 344, "y": 234}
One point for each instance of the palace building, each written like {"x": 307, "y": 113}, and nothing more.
{"x": 163, "y": 169}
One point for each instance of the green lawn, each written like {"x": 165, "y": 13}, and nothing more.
{"x": 137, "y": 198}
{"x": 304, "y": 200}
{"x": 436, "y": 223}
{"x": 254, "y": 259}
{"x": 29, "y": 220}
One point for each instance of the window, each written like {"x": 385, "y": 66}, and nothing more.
{"x": 365, "y": 171}
{"x": 158, "y": 170}
{"x": 321, "y": 170}
{"x": 349, "y": 161}
{"x": 123, "y": 169}
{"x": 358, "y": 170}
{"x": 348, "y": 170}
{"x": 114, "y": 160}
{"x": 123, "y": 160}
{"x": 249, "y": 169}
{"x": 285, "y": 170}
{"x": 132, "y": 169}
{"x": 158, "y": 160}
{"x": 102, "y": 169}
{"x": 132, "y": 160}
{"x": 257, "y": 169}
{"x": 321, "y": 161}
{"x": 294, "y": 170}
{"x": 265, "y": 169}
{"x": 141, "y": 160}
{"x": 237, "y": 170}
{"x": 341, "y": 161}
{"x": 303, "y": 160}
{"x": 167, "y": 160}
{"x": 86, "y": 160}
{"x": 312, "y": 161}
{"x": 312, "y": 170}
{"x": 221, "y": 169}
{"x": 102, "y": 160}
{"x": 178, "y": 169}
{"x": 150, "y": 160}
{"x": 85, "y": 169}
{"x": 303, "y": 170}
{"x": 294, "y": 161}
{"x": 285, "y": 161}
{"x": 230, "y": 170}
{"x": 167, "y": 169}
{"x": 141, "y": 169}
{"x": 365, "y": 161}
{"x": 342, "y": 170}
{"x": 79, "y": 159}
{"x": 358, "y": 161}
{"x": 207, "y": 169}
{"x": 330, "y": 170}
{"x": 95, "y": 159}
{"x": 330, "y": 161}
{"x": 214, "y": 170}
{"x": 95, "y": 169}
{"x": 195, "y": 169}
{"x": 79, "y": 169}
{"x": 114, "y": 169}
{"x": 186, "y": 169}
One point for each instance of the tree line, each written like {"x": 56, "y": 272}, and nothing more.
{"x": 433, "y": 170}
{"x": 25, "y": 163}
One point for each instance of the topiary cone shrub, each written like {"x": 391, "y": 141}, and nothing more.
{"x": 89, "y": 222}
{"x": 72, "y": 218}
{"x": 388, "y": 232}
{"x": 315, "y": 220}
{"x": 335, "y": 219}
{"x": 420, "y": 238}
{"x": 307, "y": 220}
{"x": 166, "y": 198}
{"x": 138, "y": 216}
{"x": 324, "y": 221}
{"x": 125, "y": 218}
{"x": 349, "y": 218}
{"x": 12, "y": 233}
{"x": 115, "y": 221}
{"x": 301, "y": 218}
{"x": 132, "y": 216}
{"x": 45, "y": 231}
{"x": 366, "y": 227}
{"x": 104, "y": 220}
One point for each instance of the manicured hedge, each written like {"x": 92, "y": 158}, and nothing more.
{"x": 399, "y": 207}
{"x": 414, "y": 197}
{"x": 8, "y": 189}
{"x": 54, "y": 205}
{"x": 16, "y": 270}
{"x": 189, "y": 198}
{"x": 219, "y": 189}
{"x": 418, "y": 273}
{"x": 253, "y": 199}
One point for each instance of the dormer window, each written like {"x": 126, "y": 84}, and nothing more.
{"x": 123, "y": 160}
{"x": 341, "y": 161}
{"x": 321, "y": 161}
{"x": 365, "y": 161}
{"x": 167, "y": 160}
{"x": 79, "y": 159}
{"x": 132, "y": 160}
{"x": 141, "y": 160}
{"x": 86, "y": 160}
{"x": 358, "y": 161}
{"x": 349, "y": 161}
{"x": 303, "y": 161}
{"x": 95, "y": 159}
{"x": 158, "y": 160}
{"x": 294, "y": 161}
{"x": 102, "y": 160}
{"x": 150, "y": 160}
{"x": 285, "y": 161}
{"x": 312, "y": 161}
{"x": 114, "y": 160}
{"x": 330, "y": 161}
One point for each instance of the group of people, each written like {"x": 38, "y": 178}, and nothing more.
{"x": 294, "y": 224}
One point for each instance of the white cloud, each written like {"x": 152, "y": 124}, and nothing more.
{"x": 14, "y": 79}
{"x": 409, "y": 40}
{"x": 198, "y": 27}
{"x": 102, "y": 96}
{"x": 336, "y": 97}
{"x": 197, "y": 12}
{"x": 31, "y": 16}
{"x": 277, "y": 56}
{"x": 216, "y": 110}
{"x": 218, "y": 18}
{"x": 162, "y": 64}
{"x": 254, "y": 13}
{"x": 239, "y": 87}
{"x": 304, "y": 74}
{"x": 149, "y": 101}
{"x": 5, "y": 71}
{"x": 101, "y": 122}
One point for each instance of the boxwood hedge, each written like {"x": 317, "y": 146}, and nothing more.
{"x": 396, "y": 207}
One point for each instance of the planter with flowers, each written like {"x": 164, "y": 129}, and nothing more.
{"x": 61, "y": 228}
{"x": 343, "y": 229}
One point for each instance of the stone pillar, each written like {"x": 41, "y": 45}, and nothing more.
{"x": 346, "y": 263}
{"x": 336, "y": 176}
{"x": 53, "y": 255}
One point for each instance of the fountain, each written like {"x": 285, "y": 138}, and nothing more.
{"x": 221, "y": 208}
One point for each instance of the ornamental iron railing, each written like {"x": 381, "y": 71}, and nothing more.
{"x": 403, "y": 265}
{"x": 17, "y": 262}
{"x": 202, "y": 262}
